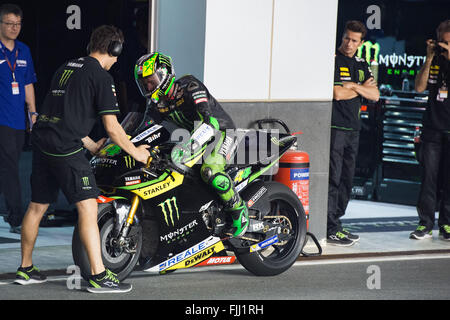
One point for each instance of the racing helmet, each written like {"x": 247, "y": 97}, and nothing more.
{"x": 154, "y": 75}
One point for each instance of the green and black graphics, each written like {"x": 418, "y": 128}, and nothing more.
{"x": 162, "y": 218}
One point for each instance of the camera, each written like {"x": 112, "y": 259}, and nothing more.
{"x": 437, "y": 48}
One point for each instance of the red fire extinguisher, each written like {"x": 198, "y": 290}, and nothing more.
{"x": 293, "y": 172}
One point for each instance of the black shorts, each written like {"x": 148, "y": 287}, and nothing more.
{"x": 72, "y": 174}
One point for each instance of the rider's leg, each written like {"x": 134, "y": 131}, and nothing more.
{"x": 213, "y": 173}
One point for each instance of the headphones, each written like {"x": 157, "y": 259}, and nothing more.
{"x": 114, "y": 48}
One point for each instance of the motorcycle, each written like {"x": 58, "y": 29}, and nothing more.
{"x": 160, "y": 218}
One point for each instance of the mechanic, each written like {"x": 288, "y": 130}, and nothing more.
{"x": 80, "y": 91}
{"x": 187, "y": 103}
{"x": 435, "y": 137}
{"x": 353, "y": 81}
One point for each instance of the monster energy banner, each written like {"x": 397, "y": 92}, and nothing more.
{"x": 390, "y": 65}
{"x": 371, "y": 52}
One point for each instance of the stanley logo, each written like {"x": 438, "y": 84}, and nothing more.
{"x": 168, "y": 208}
{"x": 65, "y": 76}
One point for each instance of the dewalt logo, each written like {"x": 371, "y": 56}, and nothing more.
{"x": 65, "y": 76}
{"x": 169, "y": 207}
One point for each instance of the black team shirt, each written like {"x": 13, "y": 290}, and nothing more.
{"x": 346, "y": 113}
{"x": 437, "y": 114}
{"x": 80, "y": 91}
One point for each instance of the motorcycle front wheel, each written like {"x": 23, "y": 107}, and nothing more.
{"x": 118, "y": 259}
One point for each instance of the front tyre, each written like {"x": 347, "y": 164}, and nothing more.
{"x": 119, "y": 259}
{"x": 285, "y": 209}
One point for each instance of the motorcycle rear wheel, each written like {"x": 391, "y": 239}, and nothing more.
{"x": 118, "y": 261}
{"x": 279, "y": 257}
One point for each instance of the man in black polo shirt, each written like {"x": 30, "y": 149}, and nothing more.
{"x": 80, "y": 91}
{"x": 435, "y": 74}
{"x": 353, "y": 81}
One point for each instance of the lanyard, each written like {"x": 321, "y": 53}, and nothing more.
{"x": 12, "y": 68}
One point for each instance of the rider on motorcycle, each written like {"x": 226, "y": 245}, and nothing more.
{"x": 187, "y": 103}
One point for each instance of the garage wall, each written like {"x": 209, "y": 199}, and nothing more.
{"x": 267, "y": 58}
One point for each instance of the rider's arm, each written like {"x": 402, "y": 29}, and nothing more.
{"x": 119, "y": 137}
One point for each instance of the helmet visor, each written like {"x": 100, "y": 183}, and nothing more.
{"x": 150, "y": 84}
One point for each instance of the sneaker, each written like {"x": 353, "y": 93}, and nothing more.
{"x": 17, "y": 229}
{"x": 339, "y": 239}
{"x": 29, "y": 275}
{"x": 444, "y": 232}
{"x": 107, "y": 282}
{"x": 351, "y": 236}
{"x": 421, "y": 233}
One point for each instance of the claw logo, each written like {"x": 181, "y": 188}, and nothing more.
{"x": 172, "y": 207}
{"x": 65, "y": 76}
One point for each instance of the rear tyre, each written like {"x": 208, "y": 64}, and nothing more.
{"x": 279, "y": 257}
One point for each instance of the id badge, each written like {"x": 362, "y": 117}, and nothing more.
{"x": 443, "y": 93}
{"x": 15, "y": 88}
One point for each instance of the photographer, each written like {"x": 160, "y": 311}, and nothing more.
{"x": 435, "y": 75}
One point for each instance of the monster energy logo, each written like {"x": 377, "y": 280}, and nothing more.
{"x": 389, "y": 60}
{"x": 85, "y": 181}
{"x": 172, "y": 207}
{"x": 368, "y": 46}
{"x": 129, "y": 162}
{"x": 65, "y": 76}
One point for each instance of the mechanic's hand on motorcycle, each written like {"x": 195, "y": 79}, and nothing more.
{"x": 142, "y": 153}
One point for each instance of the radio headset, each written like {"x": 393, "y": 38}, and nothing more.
{"x": 114, "y": 48}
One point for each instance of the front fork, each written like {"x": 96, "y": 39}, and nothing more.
{"x": 129, "y": 220}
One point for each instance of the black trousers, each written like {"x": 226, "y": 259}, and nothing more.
{"x": 436, "y": 177}
{"x": 11, "y": 144}
{"x": 343, "y": 151}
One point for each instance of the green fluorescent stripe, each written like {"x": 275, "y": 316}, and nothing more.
{"x": 214, "y": 122}
{"x": 61, "y": 155}
{"x": 105, "y": 111}
{"x": 196, "y": 154}
{"x": 170, "y": 86}
{"x": 342, "y": 128}
{"x": 144, "y": 184}
{"x": 260, "y": 172}
{"x": 94, "y": 284}
{"x": 20, "y": 273}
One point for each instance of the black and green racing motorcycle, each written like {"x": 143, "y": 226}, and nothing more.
{"x": 159, "y": 218}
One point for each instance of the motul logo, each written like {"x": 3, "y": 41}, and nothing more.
{"x": 217, "y": 260}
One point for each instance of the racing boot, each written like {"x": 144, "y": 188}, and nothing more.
{"x": 239, "y": 217}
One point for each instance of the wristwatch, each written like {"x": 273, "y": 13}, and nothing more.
{"x": 33, "y": 114}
